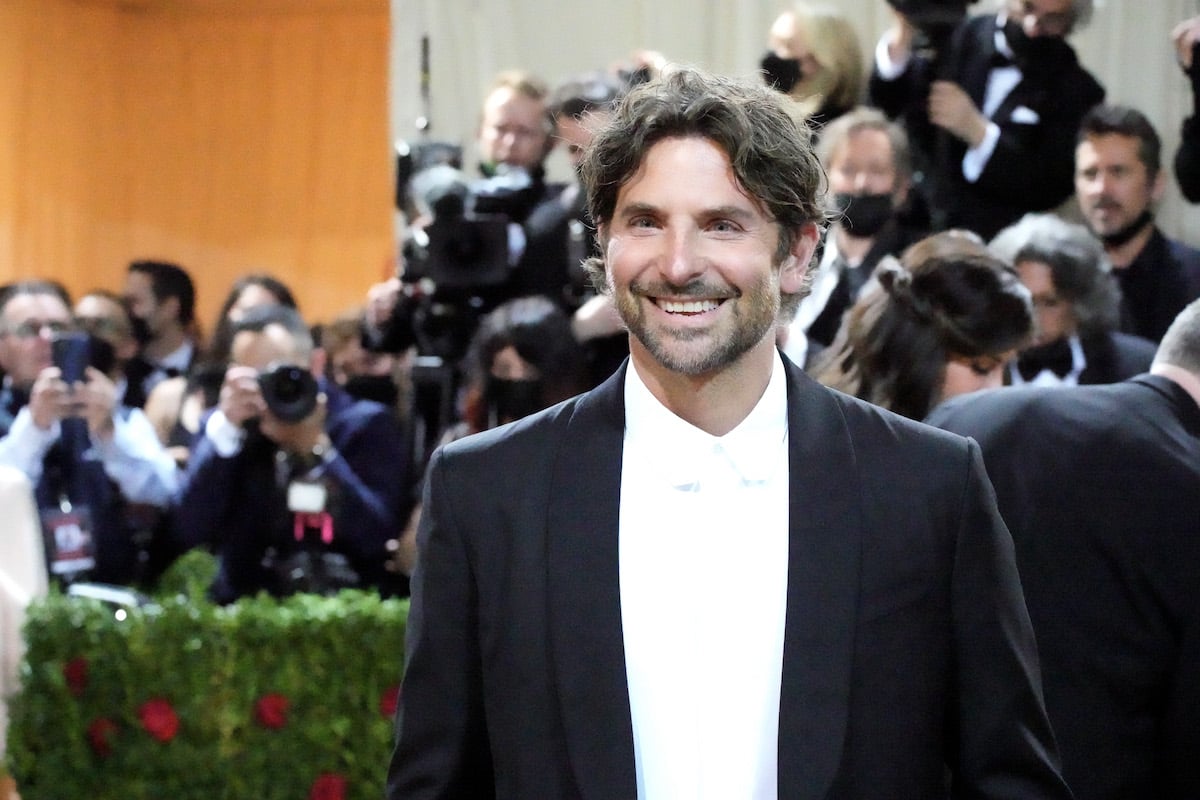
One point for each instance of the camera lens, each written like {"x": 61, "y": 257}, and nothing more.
{"x": 289, "y": 391}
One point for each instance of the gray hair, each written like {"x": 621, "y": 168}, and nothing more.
{"x": 1078, "y": 266}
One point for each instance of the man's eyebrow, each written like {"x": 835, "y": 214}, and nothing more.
{"x": 737, "y": 213}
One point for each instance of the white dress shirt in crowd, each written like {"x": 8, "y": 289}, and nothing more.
{"x": 703, "y": 582}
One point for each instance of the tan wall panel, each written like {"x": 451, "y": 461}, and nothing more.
{"x": 223, "y": 138}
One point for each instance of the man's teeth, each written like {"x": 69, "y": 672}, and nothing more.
{"x": 687, "y": 306}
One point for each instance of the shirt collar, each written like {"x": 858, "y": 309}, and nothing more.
{"x": 680, "y": 448}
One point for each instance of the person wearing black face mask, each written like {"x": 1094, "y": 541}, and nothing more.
{"x": 992, "y": 118}
{"x": 867, "y": 162}
{"x": 1119, "y": 180}
{"x": 814, "y": 56}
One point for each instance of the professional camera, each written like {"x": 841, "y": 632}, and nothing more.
{"x": 466, "y": 245}
{"x": 935, "y": 20}
{"x": 289, "y": 391}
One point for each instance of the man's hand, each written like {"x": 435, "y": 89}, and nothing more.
{"x": 298, "y": 438}
{"x": 49, "y": 399}
{"x": 241, "y": 399}
{"x": 899, "y": 38}
{"x": 1185, "y": 35}
{"x": 381, "y": 301}
{"x": 952, "y": 109}
{"x": 96, "y": 400}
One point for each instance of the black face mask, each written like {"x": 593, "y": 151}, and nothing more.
{"x": 864, "y": 215}
{"x": 380, "y": 388}
{"x": 1126, "y": 234}
{"x": 781, "y": 74}
{"x": 141, "y": 330}
{"x": 509, "y": 400}
{"x": 1038, "y": 52}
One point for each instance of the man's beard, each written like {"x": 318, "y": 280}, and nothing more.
{"x": 751, "y": 322}
{"x": 1127, "y": 232}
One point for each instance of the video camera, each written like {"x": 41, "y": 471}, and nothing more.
{"x": 935, "y": 21}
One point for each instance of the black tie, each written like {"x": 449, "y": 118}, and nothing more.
{"x": 999, "y": 60}
{"x": 1055, "y": 356}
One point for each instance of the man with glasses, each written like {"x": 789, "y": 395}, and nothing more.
{"x": 89, "y": 457}
{"x": 992, "y": 111}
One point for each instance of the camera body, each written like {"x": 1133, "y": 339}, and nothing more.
{"x": 289, "y": 391}
{"x": 935, "y": 20}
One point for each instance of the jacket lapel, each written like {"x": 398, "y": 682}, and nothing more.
{"x": 587, "y": 645}
{"x": 823, "y": 586}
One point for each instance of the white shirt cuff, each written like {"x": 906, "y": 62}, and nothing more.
{"x": 888, "y": 70}
{"x": 977, "y": 157}
{"x": 226, "y": 437}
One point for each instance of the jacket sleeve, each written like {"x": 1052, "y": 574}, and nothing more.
{"x": 1006, "y": 747}
{"x": 442, "y": 747}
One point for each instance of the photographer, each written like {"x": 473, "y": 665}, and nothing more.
{"x": 295, "y": 485}
{"x": 991, "y": 106}
{"x": 93, "y": 461}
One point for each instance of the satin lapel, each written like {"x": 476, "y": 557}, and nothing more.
{"x": 587, "y": 645}
{"x": 823, "y": 586}
{"x": 978, "y": 64}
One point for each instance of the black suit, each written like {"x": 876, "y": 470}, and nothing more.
{"x": 1156, "y": 285}
{"x": 1100, "y": 486}
{"x": 1033, "y": 165}
{"x": 906, "y": 643}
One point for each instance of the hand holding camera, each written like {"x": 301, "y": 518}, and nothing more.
{"x": 284, "y": 398}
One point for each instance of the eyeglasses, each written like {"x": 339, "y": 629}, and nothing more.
{"x": 102, "y": 326}
{"x": 32, "y": 328}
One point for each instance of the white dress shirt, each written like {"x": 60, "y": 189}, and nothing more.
{"x": 703, "y": 582}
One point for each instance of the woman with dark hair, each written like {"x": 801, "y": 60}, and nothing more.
{"x": 522, "y": 358}
{"x": 942, "y": 321}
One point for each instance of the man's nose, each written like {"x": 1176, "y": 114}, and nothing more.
{"x": 683, "y": 261}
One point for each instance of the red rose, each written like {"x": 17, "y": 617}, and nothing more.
{"x": 328, "y": 786}
{"x": 271, "y": 710}
{"x": 75, "y": 672}
{"x": 100, "y": 734}
{"x": 388, "y": 701}
{"x": 159, "y": 720}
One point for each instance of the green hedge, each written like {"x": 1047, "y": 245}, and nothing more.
{"x": 263, "y": 699}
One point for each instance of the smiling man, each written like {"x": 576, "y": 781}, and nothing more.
{"x": 868, "y": 638}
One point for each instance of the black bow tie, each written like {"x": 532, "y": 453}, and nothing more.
{"x": 1055, "y": 356}
{"x": 999, "y": 60}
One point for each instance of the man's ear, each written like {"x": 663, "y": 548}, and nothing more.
{"x": 1158, "y": 186}
{"x": 795, "y": 266}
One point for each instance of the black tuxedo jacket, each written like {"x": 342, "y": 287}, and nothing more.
{"x": 907, "y": 645}
{"x": 1100, "y": 486}
{"x": 1033, "y": 165}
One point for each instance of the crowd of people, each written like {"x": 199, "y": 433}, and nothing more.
{"x": 885, "y": 222}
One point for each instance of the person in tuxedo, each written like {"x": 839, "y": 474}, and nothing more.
{"x": 868, "y": 638}
{"x": 993, "y": 114}
{"x": 162, "y": 300}
{"x": 1075, "y": 304}
{"x": 1099, "y": 486}
{"x": 1118, "y": 181}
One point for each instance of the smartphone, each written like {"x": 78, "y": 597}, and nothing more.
{"x": 74, "y": 352}
{"x": 71, "y": 353}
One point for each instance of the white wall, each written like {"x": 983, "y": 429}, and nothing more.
{"x": 1127, "y": 47}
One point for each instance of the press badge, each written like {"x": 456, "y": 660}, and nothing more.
{"x": 67, "y": 530}
{"x": 306, "y": 497}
